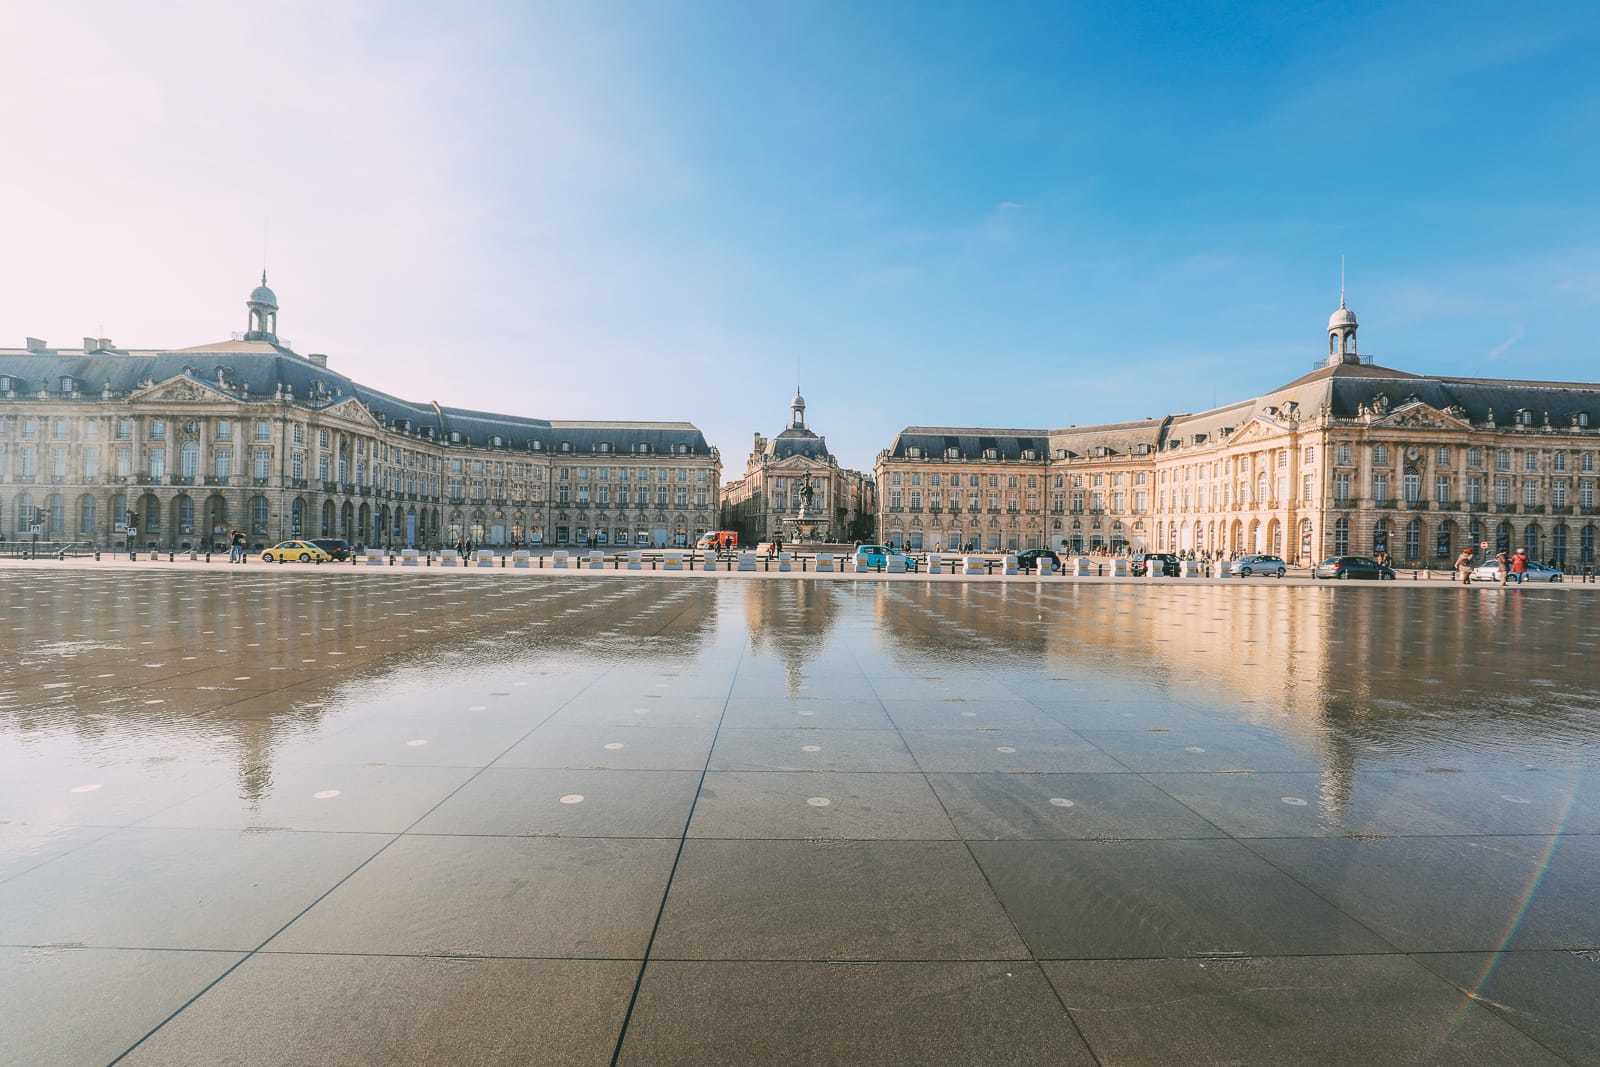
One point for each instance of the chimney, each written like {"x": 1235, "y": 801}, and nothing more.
{"x": 91, "y": 344}
{"x": 35, "y": 344}
{"x": 319, "y": 358}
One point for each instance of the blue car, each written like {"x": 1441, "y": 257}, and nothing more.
{"x": 876, "y": 557}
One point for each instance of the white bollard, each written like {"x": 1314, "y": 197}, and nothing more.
{"x": 708, "y": 561}
{"x": 785, "y": 561}
{"x": 1190, "y": 568}
{"x": 672, "y": 560}
{"x": 935, "y": 563}
{"x": 485, "y": 557}
{"x": 1119, "y": 567}
{"x": 747, "y": 561}
{"x": 1044, "y": 566}
{"x": 596, "y": 561}
{"x": 894, "y": 563}
{"x": 1222, "y": 569}
{"x": 1011, "y": 564}
{"x": 636, "y": 560}
{"x": 408, "y": 557}
{"x": 448, "y": 558}
{"x": 560, "y": 560}
{"x": 824, "y": 563}
{"x": 520, "y": 558}
{"x": 1155, "y": 568}
{"x": 1081, "y": 567}
{"x": 974, "y": 565}
{"x": 374, "y": 557}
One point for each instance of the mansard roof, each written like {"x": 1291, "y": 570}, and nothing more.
{"x": 972, "y": 441}
{"x": 256, "y": 370}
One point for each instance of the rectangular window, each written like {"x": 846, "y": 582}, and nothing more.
{"x": 1587, "y": 465}
{"x": 299, "y": 433}
{"x": 263, "y": 430}
{"x": 1502, "y": 460}
{"x": 1502, "y": 490}
{"x": 1586, "y": 492}
{"x": 158, "y": 429}
{"x": 261, "y": 462}
{"x": 1530, "y": 461}
{"x": 1305, "y": 488}
{"x": 1443, "y": 454}
{"x": 91, "y": 464}
{"x": 124, "y": 429}
{"x": 1342, "y": 455}
{"x": 1474, "y": 491}
{"x": 1341, "y": 486}
{"x": 1559, "y": 461}
{"x": 297, "y": 465}
{"x": 1380, "y": 454}
{"x": 1441, "y": 489}
{"x": 124, "y": 462}
{"x": 158, "y": 463}
{"x": 1558, "y": 494}
{"x": 222, "y": 463}
{"x": 1530, "y": 494}
{"x": 224, "y": 430}
{"x": 1380, "y": 488}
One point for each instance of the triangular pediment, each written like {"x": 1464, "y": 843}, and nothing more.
{"x": 1420, "y": 415}
{"x": 181, "y": 389}
{"x": 1255, "y": 428}
{"x": 353, "y": 409}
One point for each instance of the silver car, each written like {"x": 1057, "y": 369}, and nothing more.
{"x": 1267, "y": 566}
{"x": 1536, "y": 572}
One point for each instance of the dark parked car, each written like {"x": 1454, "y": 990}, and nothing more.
{"x": 336, "y": 547}
{"x": 1352, "y": 567}
{"x": 1028, "y": 560}
{"x": 1168, "y": 561}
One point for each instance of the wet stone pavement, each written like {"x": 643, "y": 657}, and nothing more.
{"x": 254, "y": 818}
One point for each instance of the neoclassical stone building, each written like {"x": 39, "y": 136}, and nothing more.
{"x": 1351, "y": 457}
{"x": 758, "y": 504}
{"x": 249, "y": 434}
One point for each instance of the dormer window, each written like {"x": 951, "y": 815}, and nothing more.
{"x": 536, "y": 445}
{"x": 1524, "y": 417}
{"x": 952, "y": 453}
{"x": 991, "y": 453}
{"x": 68, "y": 386}
{"x": 643, "y": 447}
{"x": 455, "y": 437}
{"x": 913, "y": 452}
{"x": 566, "y": 446}
{"x": 603, "y": 446}
{"x": 7, "y": 383}
{"x": 1028, "y": 453}
{"x": 497, "y": 441}
{"x": 683, "y": 450}
{"x": 1583, "y": 418}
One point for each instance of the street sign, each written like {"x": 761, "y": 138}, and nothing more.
{"x": 36, "y": 529}
{"x": 1483, "y": 544}
{"x": 132, "y": 532}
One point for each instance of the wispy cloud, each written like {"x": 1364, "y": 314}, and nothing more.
{"x": 1499, "y": 351}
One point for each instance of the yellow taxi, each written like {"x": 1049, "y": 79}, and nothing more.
{"x": 295, "y": 552}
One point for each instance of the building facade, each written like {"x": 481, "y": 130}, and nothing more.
{"x": 247, "y": 434}
{"x": 1350, "y": 458}
{"x": 759, "y": 504}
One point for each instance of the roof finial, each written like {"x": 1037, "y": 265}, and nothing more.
{"x": 263, "y": 276}
{"x": 1341, "y": 281}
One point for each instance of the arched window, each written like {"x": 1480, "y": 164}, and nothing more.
{"x": 297, "y": 516}
{"x": 1502, "y": 537}
{"x": 1380, "y": 536}
{"x": 189, "y": 459}
{"x": 1341, "y": 537}
{"x": 55, "y": 515}
{"x": 258, "y": 515}
{"x": 86, "y": 514}
{"x": 1442, "y": 547}
{"x": 1586, "y": 546}
{"x": 1558, "y": 545}
{"x": 1532, "y": 541}
{"x": 185, "y": 509}
{"x": 1414, "y": 539}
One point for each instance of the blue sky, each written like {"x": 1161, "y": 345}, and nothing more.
{"x": 975, "y": 214}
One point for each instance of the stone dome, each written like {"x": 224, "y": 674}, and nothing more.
{"x": 262, "y": 295}
{"x": 1343, "y": 317}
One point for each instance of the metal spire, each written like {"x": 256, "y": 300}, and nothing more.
{"x": 1341, "y": 281}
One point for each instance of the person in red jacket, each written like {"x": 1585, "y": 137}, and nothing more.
{"x": 1519, "y": 566}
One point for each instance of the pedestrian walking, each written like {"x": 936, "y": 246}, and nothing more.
{"x": 1504, "y": 565}
{"x": 1519, "y": 566}
{"x": 236, "y": 554}
{"x": 1464, "y": 566}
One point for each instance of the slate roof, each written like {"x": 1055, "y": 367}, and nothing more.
{"x": 797, "y": 442}
{"x": 971, "y": 440}
{"x": 264, "y": 367}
